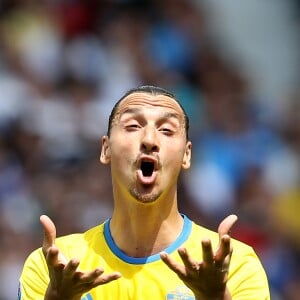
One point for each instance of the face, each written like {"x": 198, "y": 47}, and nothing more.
{"x": 147, "y": 146}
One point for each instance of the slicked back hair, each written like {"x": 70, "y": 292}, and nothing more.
{"x": 153, "y": 90}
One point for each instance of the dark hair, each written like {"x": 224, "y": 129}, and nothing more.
{"x": 154, "y": 90}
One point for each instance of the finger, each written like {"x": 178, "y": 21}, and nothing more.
{"x": 88, "y": 277}
{"x": 223, "y": 251}
{"x": 96, "y": 277}
{"x": 226, "y": 262}
{"x": 189, "y": 263}
{"x": 226, "y": 225}
{"x": 71, "y": 268}
{"x": 52, "y": 259}
{"x": 49, "y": 232}
{"x": 106, "y": 278}
{"x": 55, "y": 268}
{"x": 208, "y": 255}
{"x": 172, "y": 264}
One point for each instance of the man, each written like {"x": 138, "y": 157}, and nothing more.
{"x": 147, "y": 250}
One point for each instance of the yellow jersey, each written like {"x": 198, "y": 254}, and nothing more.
{"x": 146, "y": 278}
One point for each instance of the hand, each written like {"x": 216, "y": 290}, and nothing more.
{"x": 207, "y": 279}
{"x": 66, "y": 281}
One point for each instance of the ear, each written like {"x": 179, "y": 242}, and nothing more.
{"x": 186, "y": 162}
{"x": 105, "y": 150}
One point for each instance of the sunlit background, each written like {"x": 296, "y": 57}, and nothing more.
{"x": 233, "y": 64}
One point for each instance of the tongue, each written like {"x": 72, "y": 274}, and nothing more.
{"x": 146, "y": 179}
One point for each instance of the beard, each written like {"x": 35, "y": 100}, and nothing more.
{"x": 144, "y": 196}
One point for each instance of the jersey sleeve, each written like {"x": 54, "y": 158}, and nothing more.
{"x": 34, "y": 277}
{"x": 248, "y": 278}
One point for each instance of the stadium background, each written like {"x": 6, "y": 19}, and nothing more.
{"x": 234, "y": 65}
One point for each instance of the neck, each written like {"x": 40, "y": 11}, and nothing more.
{"x": 142, "y": 230}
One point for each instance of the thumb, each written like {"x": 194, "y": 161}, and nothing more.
{"x": 226, "y": 225}
{"x": 49, "y": 232}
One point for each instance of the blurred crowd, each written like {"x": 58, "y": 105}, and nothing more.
{"x": 63, "y": 64}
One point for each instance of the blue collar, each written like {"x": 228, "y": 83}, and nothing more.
{"x": 186, "y": 230}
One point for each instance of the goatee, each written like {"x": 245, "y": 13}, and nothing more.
{"x": 144, "y": 197}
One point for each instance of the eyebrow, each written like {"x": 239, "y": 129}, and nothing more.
{"x": 133, "y": 111}
{"x": 137, "y": 111}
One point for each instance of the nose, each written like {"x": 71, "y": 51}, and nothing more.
{"x": 149, "y": 142}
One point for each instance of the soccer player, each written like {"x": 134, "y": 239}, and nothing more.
{"x": 147, "y": 249}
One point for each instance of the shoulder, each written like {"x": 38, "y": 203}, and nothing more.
{"x": 79, "y": 242}
{"x": 203, "y": 232}
{"x": 242, "y": 252}
{"x": 71, "y": 243}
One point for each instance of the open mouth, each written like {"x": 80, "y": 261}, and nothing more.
{"x": 147, "y": 168}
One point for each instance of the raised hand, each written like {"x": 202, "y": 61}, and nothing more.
{"x": 207, "y": 278}
{"x": 67, "y": 282}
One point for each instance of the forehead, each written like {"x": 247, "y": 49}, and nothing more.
{"x": 145, "y": 100}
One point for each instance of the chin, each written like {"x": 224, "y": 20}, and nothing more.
{"x": 144, "y": 196}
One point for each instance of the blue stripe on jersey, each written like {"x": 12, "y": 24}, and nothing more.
{"x": 19, "y": 291}
{"x": 87, "y": 297}
{"x": 186, "y": 230}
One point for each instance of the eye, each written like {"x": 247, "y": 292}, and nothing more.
{"x": 132, "y": 127}
{"x": 166, "y": 131}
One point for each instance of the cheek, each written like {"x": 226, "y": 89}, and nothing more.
{"x": 173, "y": 155}
{"x": 121, "y": 145}
{"x": 123, "y": 153}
